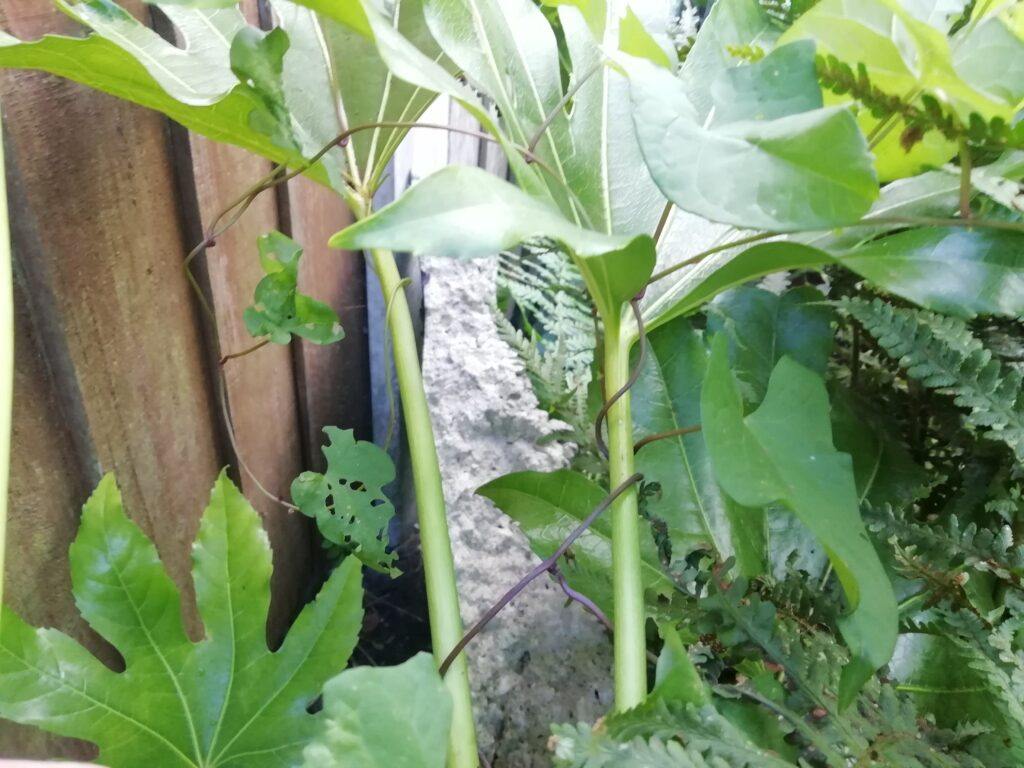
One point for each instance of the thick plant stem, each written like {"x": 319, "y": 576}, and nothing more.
{"x": 630, "y": 640}
{"x": 435, "y": 543}
{"x": 6, "y": 360}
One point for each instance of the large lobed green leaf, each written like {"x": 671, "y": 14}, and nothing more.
{"x": 783, "y": 452}
{"x": 224, "y": 701}
{"x": 283, "y": 95}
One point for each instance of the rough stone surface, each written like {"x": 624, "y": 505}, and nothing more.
{"x": 540, "y": 661}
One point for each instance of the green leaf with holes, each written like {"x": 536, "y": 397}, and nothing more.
{"x": 347, "y": 501}
{"x": 226, "y": 700}
{"x": 280, "y": 311}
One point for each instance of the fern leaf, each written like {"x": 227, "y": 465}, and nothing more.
{"x": 944, "y": 355}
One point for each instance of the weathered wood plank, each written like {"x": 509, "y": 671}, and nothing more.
{"x": 96, "y": 226}
{"x": 333, "y": 381}
{"x": 261, "y": 388}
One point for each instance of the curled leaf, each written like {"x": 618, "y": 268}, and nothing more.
{"x": 280, "y": 310}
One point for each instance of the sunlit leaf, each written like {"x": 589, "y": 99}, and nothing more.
{"x": 465, "y": 212}
{"x": 802, "y": 170}
{"x": 953, "y": 270}
{"x": 606, "y": 170}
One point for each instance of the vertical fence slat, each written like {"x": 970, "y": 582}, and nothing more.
{"x": 260, "y": 386}
{"x": 96, "y": 225}
{"x": 333, "y": 381}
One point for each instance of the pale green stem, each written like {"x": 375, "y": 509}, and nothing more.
{"x": 6, "y": 359}
{"x": 630, "y": 616}
{"x": 435, "y": 543}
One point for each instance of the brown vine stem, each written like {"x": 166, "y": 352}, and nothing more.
{"x": 230, "y": 429}
{"x": 663, "y": 222}
{"x": 537, "y": 571}
{"x": 280, "y": 175}
{"x": 665, "y": 436}
{"x": 633, "y": 377}
{"x": 244, "y": 352}
{"x": 710, "y": 252}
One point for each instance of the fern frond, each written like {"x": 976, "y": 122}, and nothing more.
{"x": 944, "y": 355}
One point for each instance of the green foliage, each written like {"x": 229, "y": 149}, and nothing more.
{"x": 943, "y": 354}
{"x": 950, "y": 270}
{"x": 763, "y": 327}
{"x": 226, "y": 700}
{"x": 280, "y": 310}
{"x": 384, "y": 717}
{"x": 802, "y": 166}
{"x": 348, "y": 501}
{"x": 465, "y": 212}
{"x": 783, "y": 452}
{"x": 689, "y": 501}
{"x": 548, "y": 507}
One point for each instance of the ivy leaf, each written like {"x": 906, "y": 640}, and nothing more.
{"x": 783, "y": 452}
{"x": 348, "y": 501}
{"x": 465, "y": 212}
{"x": 280, "y": 310}
{"x": 198, "y": 74}
{"x": 808, "y": 169}
{"x": 224, "y": 701}
{"x": 690, "y": 503}
{"x": 951, "y": 270}
{"x": 548, "y": 506}
{"x": 384, "y": 717}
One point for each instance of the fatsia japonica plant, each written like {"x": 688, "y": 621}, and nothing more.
{"x": 818, "y": 575}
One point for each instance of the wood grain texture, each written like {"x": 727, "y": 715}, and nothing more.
{"x": 260, "y": 386}
{"x": 96, "y": 229}
{"x": 333, "y": 381}
{"x": 114, "y": 366}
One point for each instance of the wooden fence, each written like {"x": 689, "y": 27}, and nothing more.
{"x": 116, "y": 363}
